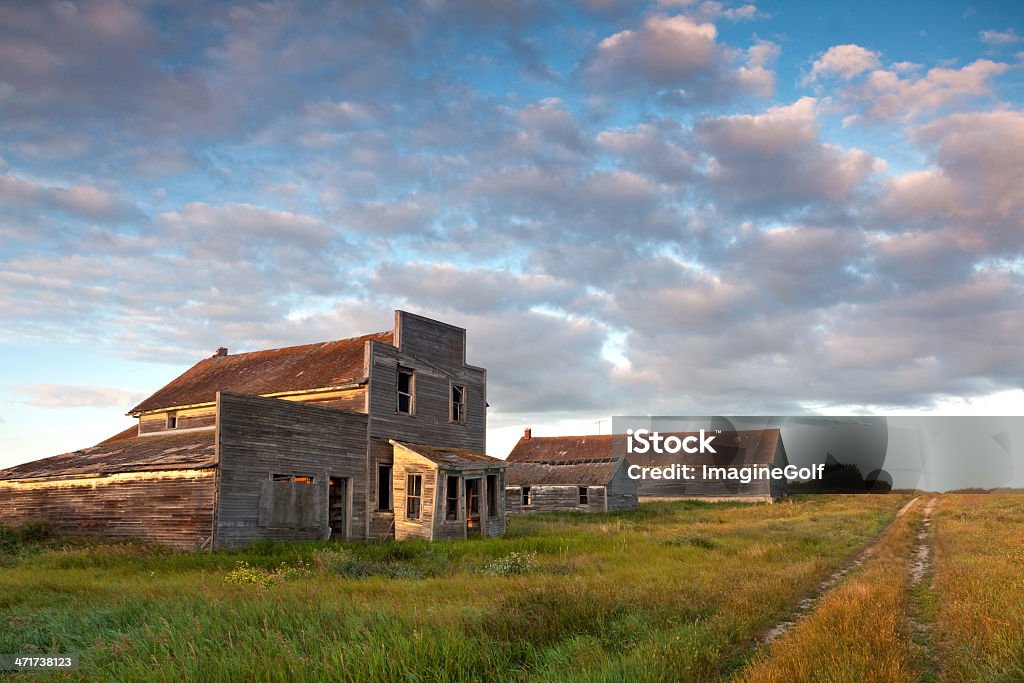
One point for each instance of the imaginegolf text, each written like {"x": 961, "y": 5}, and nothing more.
{"x": 744, "y": 474}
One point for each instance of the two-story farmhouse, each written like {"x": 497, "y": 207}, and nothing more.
{"x": 378, "y": 436}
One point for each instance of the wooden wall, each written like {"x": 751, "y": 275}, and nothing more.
{"x": 406, "y": 463}
{"x": 622, "y": 491}
{"x": 172, "y": 507}
{"x": 436, "y": 352}
{"x": 548, "y": 498}
{"x": 258, "y": 437}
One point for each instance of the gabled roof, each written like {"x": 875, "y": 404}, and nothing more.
{"x": 597, "y": 472}
{"x": 294, "y": 368}
{"x": 555, "y": 448}
{"x": 451, "y": 457}
{"x": 743, "y": 447}
{"x": 170, "y": 451}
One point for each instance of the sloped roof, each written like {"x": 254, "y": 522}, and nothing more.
{"x": 451, "y": 457}
{"x": 743, "y": 447}
{"x": 293, "y": 368}
{"x": 170, "y": 451}
{"x": 128, "y": 433}
{"x": 597, "y": 472}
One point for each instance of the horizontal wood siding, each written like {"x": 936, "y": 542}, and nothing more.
{"x": 430, "y": 422}
{"x": 547, "y": 498}
{"x": 406, "y": 464}
{"x": 622, "y": 491}
{"x": 174, "y": 507}
{"x": 430, "y": 340}
{"x": 258, "y": 437}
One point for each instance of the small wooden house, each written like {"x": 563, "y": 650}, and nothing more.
{"x": 283, "y": 444}
{"x": 447, "y": 492}
{"x": 760, "y": 448}
{"x": 594, "y": 485}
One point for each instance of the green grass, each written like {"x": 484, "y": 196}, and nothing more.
{"x": 673, "y": 591}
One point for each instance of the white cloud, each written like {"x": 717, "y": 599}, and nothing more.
{"x": 845, "y": 61}
{"x": 66, "y": 396}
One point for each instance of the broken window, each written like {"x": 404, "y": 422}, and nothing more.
{"x": 406, "y": 381}
{"x": 293, "y": 478}
{"x": 492, "y": 495}
{"x": 583, "y": 495}
{"x": 172, "y": 421}
{"x": 527, "y": 496}
{"x": 413, "y": 495}
{"x": 458, "y": 412}
{"x": 384, "y": 488}
{"x": 451, "y": 510}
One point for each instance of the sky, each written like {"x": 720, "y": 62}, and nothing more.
{"x": 675, "y": 207}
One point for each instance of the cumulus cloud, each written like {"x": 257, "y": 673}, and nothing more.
{"x": 845, "y": 61}
{"x": 677, "y": 53}
{"x": 897, "y": 93}
{"x": 747, "y": 153}
{"x": 999, "y": 38}
{"x": 82, "y": 201}
{"x": 65, "y": 396}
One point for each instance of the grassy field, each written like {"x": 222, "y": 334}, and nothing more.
{"x": 672, "y": 592}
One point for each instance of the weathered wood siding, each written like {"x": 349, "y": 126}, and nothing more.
{"x": 547, "y": 498}
{"x": 173, "y": 507}
{"x": 382, "y": 522}
{"x": 406, "y": 464}
{"x": 436, "y": 352}
{"x": 258, "y": 437}
{"x": 622, "y": 491}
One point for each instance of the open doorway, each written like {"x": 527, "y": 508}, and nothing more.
{"x": 338, "y": 508}
{"x": 473, "y": 507}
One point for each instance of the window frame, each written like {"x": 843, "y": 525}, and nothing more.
{"x": 584, "y": 495}
{"x": 457, "y": 409}
{"x": 410, "y": 395}
{"x": 449, "y": 499}
{"x": 172, "y": 421}
{"x": 410, "y": 497}
{"x": 493, "y": 502}
{"x": 526, "y": 496}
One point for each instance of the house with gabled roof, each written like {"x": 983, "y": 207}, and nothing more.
{"x": 733, "y": 449}
{"x": 291, "y": 443}
{"x": 582, "y": 485}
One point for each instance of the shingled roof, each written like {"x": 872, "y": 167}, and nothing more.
{"x": 170, "y": 451}
{"x": 458, "y": 457}
{"x": 294, "y": 368}
{"x": 744, "y": 447}
{"x": 597, "y": 472}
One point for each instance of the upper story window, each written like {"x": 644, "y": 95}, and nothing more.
{"x": 458, "y": 411}
{"x": 172, "y": 421}
{"x": 406, "y": 390}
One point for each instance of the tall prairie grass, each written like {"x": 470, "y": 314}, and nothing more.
{"x": 673, "y": 591}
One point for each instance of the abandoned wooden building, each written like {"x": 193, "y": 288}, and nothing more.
{"x": 589, "y": 485}
{"x": 742, "y": 448}
{"x": 290, "y": 443}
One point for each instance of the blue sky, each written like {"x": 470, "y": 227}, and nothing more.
{"x": 674, "y": 207}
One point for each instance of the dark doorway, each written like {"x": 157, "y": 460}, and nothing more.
{"x": 473, "y": 507}
{"x": 337, "y": 508}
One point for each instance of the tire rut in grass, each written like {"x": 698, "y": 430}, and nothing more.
{"x": 920, "y": 594}
{"x": 807, "y": 605}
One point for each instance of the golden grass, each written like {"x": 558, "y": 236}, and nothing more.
{"x": 858, "y": 632}
{"x": 979, "y": 580}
